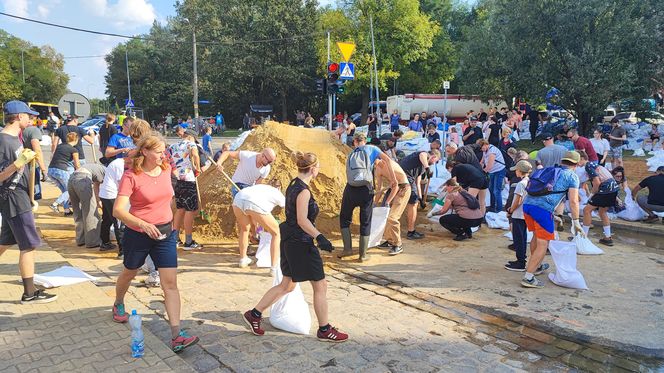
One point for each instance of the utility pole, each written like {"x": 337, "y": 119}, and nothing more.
{"x": 195, "y": 74}
{"x": 329, "y": 96}
{"x": 23, "y": 65}
{"x": 128, "y": 81}
{"x": 379, "y": 118}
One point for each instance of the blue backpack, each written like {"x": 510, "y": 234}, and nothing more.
{"x": 542, "y": 181}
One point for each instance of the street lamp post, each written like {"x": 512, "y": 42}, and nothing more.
{"x": 195, "y": 83}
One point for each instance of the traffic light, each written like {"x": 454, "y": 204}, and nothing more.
{"x": 332, "y": 72}
{"x": 341, "y": 86}
{"x": 321, "y": 85}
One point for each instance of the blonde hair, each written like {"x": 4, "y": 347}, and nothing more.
{"x": 506, "y": 131}
{"x": 454, "y": 184}
{"x": 138, "y": 129}
{"x": 72, "y": 137}
{"x": 482, "y": 142}
{"x": 305, "y": 161}
{"x": 110, "y": 118}
{"x": 149, "y": 142}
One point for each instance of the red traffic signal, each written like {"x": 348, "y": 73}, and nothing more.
{"x": 333, "y": 68}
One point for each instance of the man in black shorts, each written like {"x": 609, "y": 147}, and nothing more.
{"x": 18, "y": 222}
{"x": 415, "y": 165}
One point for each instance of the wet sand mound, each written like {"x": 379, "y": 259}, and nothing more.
{"x": 327, "y": 188}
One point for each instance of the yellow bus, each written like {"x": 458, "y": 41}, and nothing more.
{"x": 43, "y": 109}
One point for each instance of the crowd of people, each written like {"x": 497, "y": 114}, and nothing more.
{"x": 148, "y": 192}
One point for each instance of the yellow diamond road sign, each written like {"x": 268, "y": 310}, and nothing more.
{"x": 346, "y": 49}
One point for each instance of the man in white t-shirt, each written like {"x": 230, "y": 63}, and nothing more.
{"x": 252, "y": 168}
{"x": 108, "y": 191}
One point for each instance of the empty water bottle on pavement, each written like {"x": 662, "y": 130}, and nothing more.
{"x": 137, "y": 340}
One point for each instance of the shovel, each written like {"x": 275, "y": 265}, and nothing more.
{"x": 31, "y": 185}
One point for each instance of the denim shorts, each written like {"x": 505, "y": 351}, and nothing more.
{"x": 136, "y": 246}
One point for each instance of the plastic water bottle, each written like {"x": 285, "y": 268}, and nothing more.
{"x": 137, "y": 339}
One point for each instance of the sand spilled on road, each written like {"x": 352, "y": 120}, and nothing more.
{"x": 327, "y": 188}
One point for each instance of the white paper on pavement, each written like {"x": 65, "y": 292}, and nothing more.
{"x": 65, "y": 275}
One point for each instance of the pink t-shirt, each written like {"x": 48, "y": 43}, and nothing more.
{"x": 149, "y": 196}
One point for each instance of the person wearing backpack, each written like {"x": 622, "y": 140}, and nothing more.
{"x": 495, "y": 164}
{"x": 515, "y": 209}
{"x": 359, "y": 192}
{"x": 467, "y": 213}
{"x": 546, "y": 189}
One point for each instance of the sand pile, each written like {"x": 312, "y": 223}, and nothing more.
{"x": 327, "y": 188}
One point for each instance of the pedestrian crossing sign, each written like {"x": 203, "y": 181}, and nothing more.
{"x": 347, "y": 71}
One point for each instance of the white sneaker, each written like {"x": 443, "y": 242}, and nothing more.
{"x": 152, "y": 280}
{"x": 244, "y": 262}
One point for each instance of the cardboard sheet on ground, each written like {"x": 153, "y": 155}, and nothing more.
{"x": 564, "y": 257}
{"x": 378, "y": 221}
{"x": 291, "y": 312}
{"x": 65, "y": 275}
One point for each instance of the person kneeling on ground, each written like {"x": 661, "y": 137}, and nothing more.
{"x": 146, "y": 186}
{"x": 519, "y": 231}
{"x": 654, "y": 202}
{"x": 256, "y": 203}
{"x": 300, "y": 260}
{"x": 467, "y": 211}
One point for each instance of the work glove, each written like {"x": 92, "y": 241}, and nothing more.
{"x": 43, "y": 176}
{"x": 24, "y": 158}
{"x": 423, "y": 203}
{"x": 577, "y": 229}
{"x": 324, "y": 243}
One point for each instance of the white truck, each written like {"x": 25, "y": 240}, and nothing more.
{"x": 456, "y": 106}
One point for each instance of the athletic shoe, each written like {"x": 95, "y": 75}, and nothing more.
{"x": 38, "y": 297}
{"x": 511, "y": 247}
{"x": 55, "y": 208}
{"x": 332, "y": 335}
{"x": 107, "y": 246}
{"x": 515, "y": 266}
{"x": 69, "y": 213}
{"x": 395, "y": 250}
{"x": 414, "y": 235}
{"x": 650, "y": 219}
{"x": 152, "y": 280}
{"x": 533, "y": 283}
{"x": 120, "y": 255}
{"x": 254, "y": 323}
{"x": 119, "y": 314}
{"x": 606, "y": 241}
{"x": 193, "y": 245}
{"x": 460, "y": 237}
{"x": 385, "y": 245}
{"x": 179, "y": 243}
{"x": 244, "y": 262}
{"x": 182, "y": 341}
{"x": 543, "y": 267}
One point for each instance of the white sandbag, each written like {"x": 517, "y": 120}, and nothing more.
{"x": 238, "y": 142}
{"x": 632, "y": 211}
{"x": 585, "y": 247}
{"x": 435, "y": 184}
{"x": 378, "y": 221}
{"x": 497, "y": 220}
{"x": 263, "y": 256}
{"x": 505, "y": 193}
{"x": 639, "y": 153}
{"x": 45, "y": 140}
{"x": 529, "y": 236}
{"x": 564, "y": 257}
{"x": 291, "y": 312}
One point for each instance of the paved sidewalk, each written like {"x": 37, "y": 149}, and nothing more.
{"x": 74, "y": 333}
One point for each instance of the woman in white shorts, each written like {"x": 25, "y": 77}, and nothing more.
{"x": 255, "y": 203}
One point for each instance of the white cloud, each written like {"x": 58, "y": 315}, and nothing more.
{"x": 42, "y": 10}
{"x": 130, "y": 14}
{"x": 16, "y": 7}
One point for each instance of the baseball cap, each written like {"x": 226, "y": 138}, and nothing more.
{"x": 18, "y": 107}
{"x": 523, "y": 166}
{"x": 572, "y": 156}
{"x": 546, "y": 136}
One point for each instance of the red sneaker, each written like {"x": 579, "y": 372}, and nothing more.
{"x": 182, "y": 341}
{"x": 332, "y": 335}
{"x": 119, "y": 314}
{"x": 254, "y": 323}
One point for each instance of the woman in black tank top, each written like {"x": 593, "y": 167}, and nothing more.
{"x": 300, "y": 259}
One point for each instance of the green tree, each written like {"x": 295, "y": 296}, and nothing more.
{"x": 45, "y": 79}
{"x": 593, "y": 51}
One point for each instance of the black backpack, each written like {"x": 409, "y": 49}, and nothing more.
{"x": 473, "y": 202}
{"x": 508, "y": 161}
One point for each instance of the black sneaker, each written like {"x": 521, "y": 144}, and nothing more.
{"x": 38, "y": 297}
{"x": 193, "y": 245}
{"x": 414, "y": 235}
{"x": 511, "y": 247}
{"x": 385, "y": 245}
{"x": 515, "y": 266}
{"x": 606, "y": 241}
{"x": 107, "y": 246}
{"x": 179, "y": 243}
{"x": 68, "y": 213}
{"x": 395, "y": 250}
{"x": 460, "y": 237}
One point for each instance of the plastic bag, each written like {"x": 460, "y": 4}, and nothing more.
{"x": 632, "y": 211}
{"x": 497, "y": 220}
{"x": 378, "y": 221}
{"x": 291, "y": 312}
{"x": 639, "y": 153}
{"x": 564, "y": 257}
{"x": 263, "y": 256}
{"x": 529, "y": 236}
{"x": 585, "y": 247}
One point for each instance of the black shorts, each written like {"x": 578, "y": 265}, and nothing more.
{"x": 136, "y": 246}
{"x": 603, "y": 200}
{"x": 20, "y": 230}
{"x": 301, "y": 261}
{"x": 186, "y": 196}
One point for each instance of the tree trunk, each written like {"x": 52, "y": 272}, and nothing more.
{"x": 284, "y": 106}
